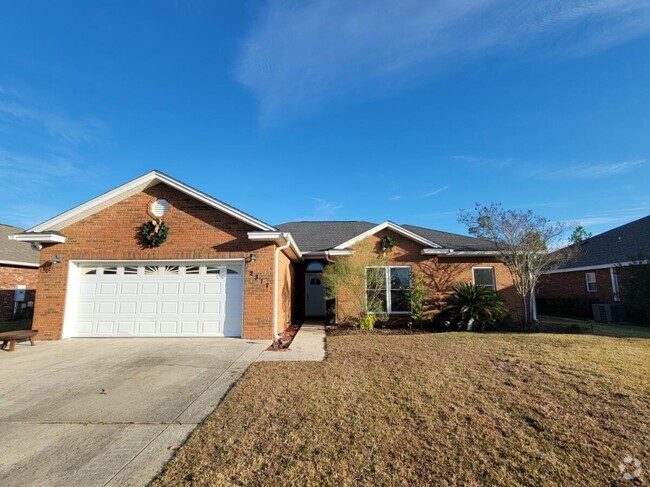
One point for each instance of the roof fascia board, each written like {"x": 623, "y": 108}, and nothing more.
{"x": 391, "y": 226}
{"x": 596, "y": 267}
{"x": 430, "y": 251}
{"x": 470, "y": 252}
{"x": 143, "y": 180}
{"x": 279, "y": 238}
{"x": 19, "y": 264}
{"x": 38, "y": 237}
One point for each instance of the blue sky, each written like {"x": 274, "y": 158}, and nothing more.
{"x": 298, "y": 110}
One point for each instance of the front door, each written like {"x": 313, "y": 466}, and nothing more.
{"x": 314, "y": 294}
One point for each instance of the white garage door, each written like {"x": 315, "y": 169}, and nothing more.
{"x": 159, "y": 299}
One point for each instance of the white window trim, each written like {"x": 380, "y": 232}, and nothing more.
{"x": 587, "y": 282}
{"x": 494, "y": 275}
{"x": 389, "y": 303}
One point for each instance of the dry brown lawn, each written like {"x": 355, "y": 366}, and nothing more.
{"x": 440, "y": 409}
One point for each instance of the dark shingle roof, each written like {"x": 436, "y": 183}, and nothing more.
{"x": 621, "y": 244}
{"x": 316, "y": 236}
{"x": 452, "y": 240}
{"x": 13, "y": 251}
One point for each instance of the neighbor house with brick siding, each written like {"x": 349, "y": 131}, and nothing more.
{"x": 592, "y": 274}
{"x": 18, "y": 274}
{"x": 220, "y": 271}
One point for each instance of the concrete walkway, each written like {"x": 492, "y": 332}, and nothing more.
{"x": 307, "y": 346}
{"x": 108, "y": 412}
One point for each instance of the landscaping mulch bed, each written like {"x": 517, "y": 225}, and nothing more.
{"x": 287, "y": 337}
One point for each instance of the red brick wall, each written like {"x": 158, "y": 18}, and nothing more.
{"x": 10, "y": 277}
{"x": 286, "y": 276}
{"x": 197, "y": 231}
{"x": 440, "y": 273}
{"x": 574, "y": 285}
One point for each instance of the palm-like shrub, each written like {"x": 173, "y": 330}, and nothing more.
{"x": 474, "y": 308}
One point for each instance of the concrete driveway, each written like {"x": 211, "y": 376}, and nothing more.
{"x": 95, "y": 412}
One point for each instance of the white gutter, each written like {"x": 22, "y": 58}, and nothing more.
{"x": 470, "y": 252}
{"x": 20, "y": 264}
{"x": 279, "y": 238}
{"x": 276, "y": 283}
{"x": 596, "y": 267}
{"x": 431, "y": 251}
{"x": 38, "y": 237}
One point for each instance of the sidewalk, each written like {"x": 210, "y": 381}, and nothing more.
{"x": 307, "y": 346}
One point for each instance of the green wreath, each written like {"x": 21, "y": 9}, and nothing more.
{"x": 154, "y": 233}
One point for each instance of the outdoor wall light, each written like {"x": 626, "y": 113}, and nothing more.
{"x": 56, "y": 260}
{"x": 252, "y": 257}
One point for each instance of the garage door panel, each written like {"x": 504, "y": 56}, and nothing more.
{"x": 168, "y": 327}
{"x": 167, "y": 307}
{"x": 130, "y": 288}
{"x": 149, "y": 288}
{"x": 160, "y": 300}
{"x": 147, "y": 307}
{"x": 191, "y": 288}
{"x": 108, "y": 288}
{"x": 126, "y": 327}
{"x": 87, "y": 289}
{"x": 105, "y": 327}
{"x": 146, "y": 328}
{"x": 189, "y": 327}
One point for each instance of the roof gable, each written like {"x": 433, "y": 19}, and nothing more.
{"x": 16, "y": 253}
{"x": 621, "y": 244}
{"x": 390, "y": 226}
{"x": 135, "y": 186}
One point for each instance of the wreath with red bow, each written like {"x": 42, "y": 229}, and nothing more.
{"x": 154, "y": 233}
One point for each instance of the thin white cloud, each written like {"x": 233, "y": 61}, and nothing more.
{"x": 65, "y": 128}
{"x": 38, "y": 151}
{"x": 618, "y": 215}
{"x": 434, "y": 192}
{"x": 593, "y": 171}
{"x": 324, "y": 210}
{"x": 301, "y": 54}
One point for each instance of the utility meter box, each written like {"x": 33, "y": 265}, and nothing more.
{"x": 19, "y": 295}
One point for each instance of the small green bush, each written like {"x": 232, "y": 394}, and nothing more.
{"x": 367, "y": 322}
{"x": 474, "y": 308}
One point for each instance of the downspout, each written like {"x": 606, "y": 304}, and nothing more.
{"x": 336, "y": 299}
{"x": 276, "y": 284}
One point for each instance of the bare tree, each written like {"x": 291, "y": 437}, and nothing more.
{"x": 526, "y": 243}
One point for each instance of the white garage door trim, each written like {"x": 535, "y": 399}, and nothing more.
{"x": 192, "y": 298}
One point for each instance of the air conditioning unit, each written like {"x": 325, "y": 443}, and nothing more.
{"x": 607, "y": 313}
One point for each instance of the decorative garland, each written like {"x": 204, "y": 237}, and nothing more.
{"x": 387, "y": 243}
{"x": 154, "y": 233}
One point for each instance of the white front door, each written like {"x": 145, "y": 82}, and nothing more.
{"x": 122, "y": 299}
{"x": 314, "y": 294}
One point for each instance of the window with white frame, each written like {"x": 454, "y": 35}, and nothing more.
{"x": 484, "y": 276}
{"x": 388, "y": 289}
{"x": 590, "y": 278}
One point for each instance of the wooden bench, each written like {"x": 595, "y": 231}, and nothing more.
{"x": 10, "y": 337}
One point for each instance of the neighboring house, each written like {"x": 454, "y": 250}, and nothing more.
{"x": 18, "y": 273}
{"x": 221, "y": 272}
{"x": 593, "y": 274}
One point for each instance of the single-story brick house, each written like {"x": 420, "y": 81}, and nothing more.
{"x": 221, "y": 272}
{"x": 18, "y": 274}
{"x": 593, "y": 274}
